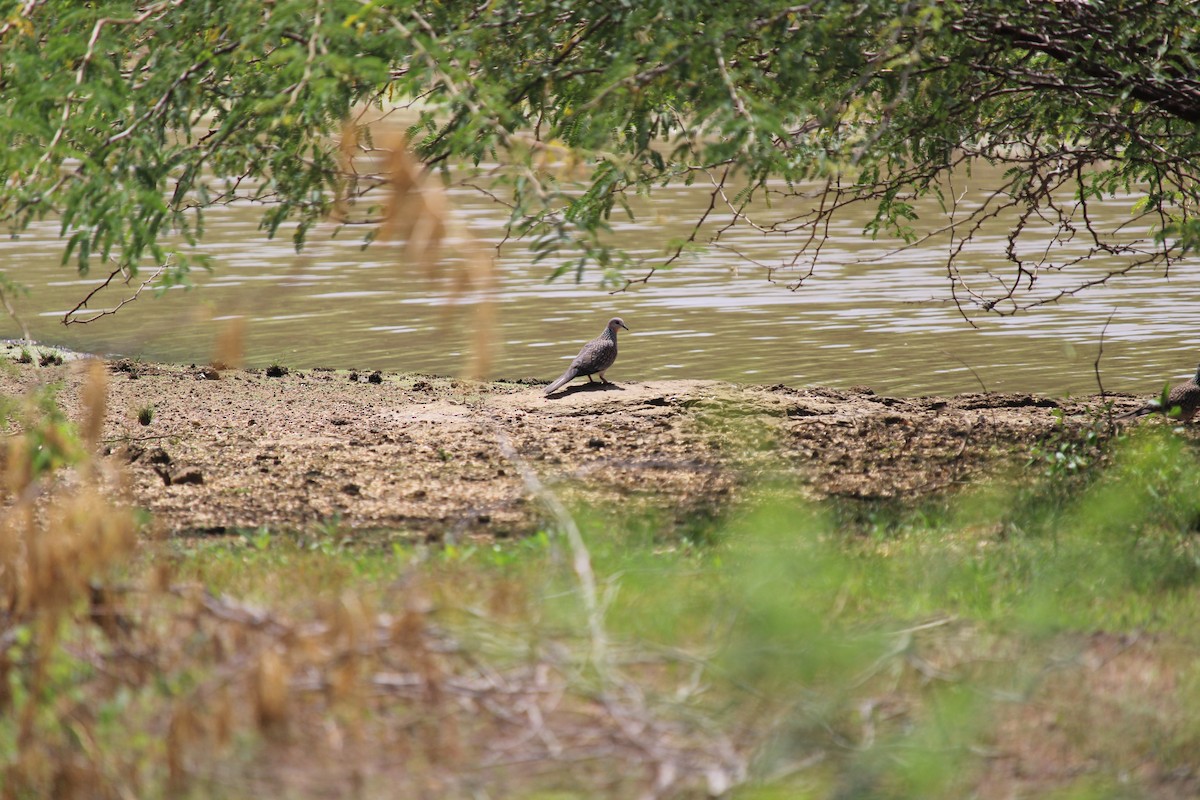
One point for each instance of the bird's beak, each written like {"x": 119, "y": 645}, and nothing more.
{"x": 623, "y": 325}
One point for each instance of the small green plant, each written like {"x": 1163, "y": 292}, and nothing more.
{"x": 145, "y": 415}
{"x": 1070, "y": 451}
{"x": 50, "y": 441}
{"x": 259, "y": 538}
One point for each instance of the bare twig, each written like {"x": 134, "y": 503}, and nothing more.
{"x": 70, "y": 319}
{"x": 718, "y": 185}
{"x": 1096, "y": 366}
{"x": 581, "y": 559}
{"x": 969, "y": 368}
{"x": 11, "y": 310}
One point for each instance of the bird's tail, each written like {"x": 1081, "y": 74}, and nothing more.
{"x": 1139, "y": 412}
{"x": 565, "y": 379}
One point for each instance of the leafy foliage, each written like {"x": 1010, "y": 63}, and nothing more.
{"x": 127, "y": 121}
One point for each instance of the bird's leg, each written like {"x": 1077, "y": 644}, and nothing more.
{"x": 602, "y": 378}
{"x": 590, "y": 379}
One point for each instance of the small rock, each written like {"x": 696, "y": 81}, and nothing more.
{"x": 422, "y": 386}
{"x": 596, "y": 443}
{"x": 276, "y": 371}
{"x": 375, "y": 377}
{"x": 159, "y": 456}
{"x": 354, "y": 377}
{"x": 208, "y": 374}
{"x": 352, "y": 489}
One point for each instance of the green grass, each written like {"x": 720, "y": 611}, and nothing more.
{"x": 1032, "y": 638}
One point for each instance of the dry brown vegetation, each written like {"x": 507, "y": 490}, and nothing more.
{"x": 128, "y": 679}
{"x": 301, "y": 657}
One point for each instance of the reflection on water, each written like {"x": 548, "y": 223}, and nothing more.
{"x": 886, "y": 323}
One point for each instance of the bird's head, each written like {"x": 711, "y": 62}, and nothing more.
{"x": 616, "y": 322}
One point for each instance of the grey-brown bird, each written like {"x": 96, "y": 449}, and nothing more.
{"x": 595, "y": 357}
{"x": 1185, "y": 397}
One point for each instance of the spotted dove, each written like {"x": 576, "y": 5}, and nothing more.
{"x": 1185, "y": 397}
{"x": 595, "y": 357}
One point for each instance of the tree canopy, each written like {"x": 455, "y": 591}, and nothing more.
{"x": 127, "y": 120}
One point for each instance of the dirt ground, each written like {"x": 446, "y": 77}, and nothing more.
{"x": 431, "y": 457}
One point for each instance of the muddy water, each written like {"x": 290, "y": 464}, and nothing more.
{"x": 869, "y": 316}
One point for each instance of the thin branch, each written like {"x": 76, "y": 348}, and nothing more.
{"x": 969, "y": 368}
{"x": 712, "y": 203}
{"x": 738, "y": 105}
{"x": 11, "y": 310}
{"x": 85, "y": 62}
{"x": 70, "y": 319}
{"x": 1096, "y": 366}
{"x": 581, "y": 560}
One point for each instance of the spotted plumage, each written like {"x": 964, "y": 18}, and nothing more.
{"x": 594, "y": 359}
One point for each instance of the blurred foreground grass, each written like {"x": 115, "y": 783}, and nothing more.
{"x": 1035, "y": 637}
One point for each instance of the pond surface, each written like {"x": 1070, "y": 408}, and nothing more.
{"x": 870, "y": 316}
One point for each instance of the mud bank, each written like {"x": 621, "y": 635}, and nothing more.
{"x": 428, "y": 457}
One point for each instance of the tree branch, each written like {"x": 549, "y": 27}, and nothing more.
{"x": 70, "y": 319}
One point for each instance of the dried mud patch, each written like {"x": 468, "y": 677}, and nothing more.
{"x": 423, "y": 456}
